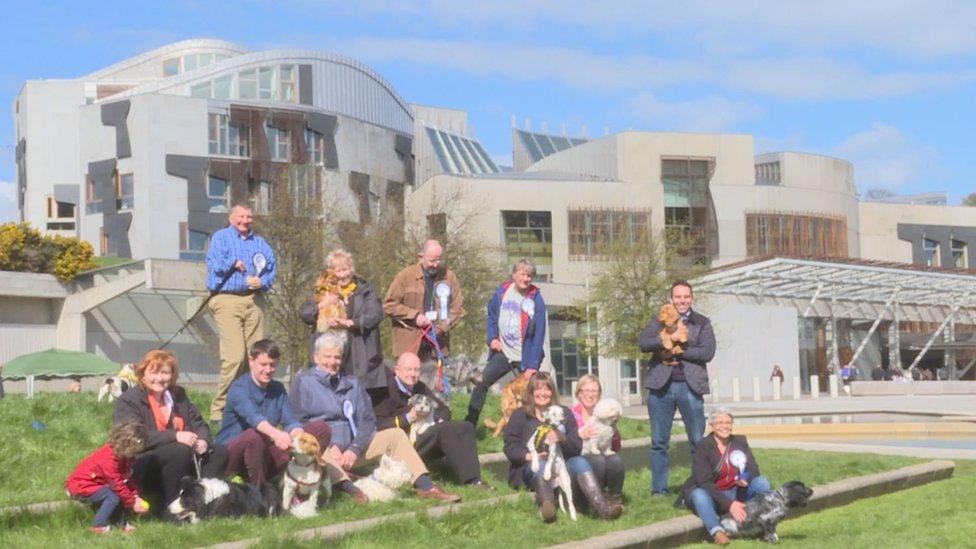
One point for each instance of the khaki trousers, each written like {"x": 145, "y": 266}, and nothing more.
{"x": 393, "y": 442}
{"x": 240, "y": 323}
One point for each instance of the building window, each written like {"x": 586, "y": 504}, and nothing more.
{"x": 105, "y": 244}
{"x": 204, "y": 90}
{"x": 222, "y": 87}
{"x": 266, "y": 83}
{"x": 247, "y": 84}
{"x": 279, "y": 143}
{"x": 931, "y": 249}
{"x": 592, "y": 233}
{"x": 193, "y": 244}
{"x": 123, "y": 191}
{"x": 60, "y": 215}
{"x": 93, "y": 204}
{"x": 959, "y": 259}
{"x": 218, "y": 195}
{"x": 768, "y": 173}
{"x": 775, "y": 233}
{"x": 288, "y": 83}
{"x": 171, "y": 67}
{"x": 316, "y": 146}
{"x": 260, "y": 193}
{"x": 687, "y": 205}
{"x": 529, "y": 235}
{"x": 226, "y": 138}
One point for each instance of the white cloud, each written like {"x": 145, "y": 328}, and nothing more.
{"x": 573, "y": 67}
{"x": 907, "y": 28}
{"x": 884, "y": 157}
{"x": 819, "y": 78}
{"x": 707, "y": 114}
{"x": 8, "y": 202}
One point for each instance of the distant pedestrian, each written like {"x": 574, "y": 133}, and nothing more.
{"x": 878, "y": 373}
{"x": 240, "y": 268}
{"x": 777, "y": 373}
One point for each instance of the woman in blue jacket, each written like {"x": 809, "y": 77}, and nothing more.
{"x": 516, "y": 333}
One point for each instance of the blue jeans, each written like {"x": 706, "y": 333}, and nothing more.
{"x": 661, "y": 404}
{"x": 705, "y": 505}
{"x": 107, "y": 502}
{"x": 576, "y": 465}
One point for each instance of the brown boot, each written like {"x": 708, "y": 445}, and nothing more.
{"x": 721, "y": 538}
{"x": 594, "y": 495}
{"x": 545, "y": 499}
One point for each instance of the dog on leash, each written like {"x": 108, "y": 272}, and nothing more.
{"x": 512, "y": 397}
{"x": 424, "y": 407}
{"x": 555, "y": 471}
{"x": 605, "y": 416}
{"x": 382, "y": 484}
{"x": 206, "y": 498}
{"x": 765, "y": 511}
{"x": 303, "y": 477}
{"x": 670, "y": 319}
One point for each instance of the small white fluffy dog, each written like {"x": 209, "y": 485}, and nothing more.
{"x": 555, "y": 471}
{"x": 382, "y": 484}
{"x": 424, "y": 407}
{"x": 303, "y": 478}
{"x": 605, "y": 416}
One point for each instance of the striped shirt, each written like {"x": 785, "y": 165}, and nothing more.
{"x": 227, "y": 246}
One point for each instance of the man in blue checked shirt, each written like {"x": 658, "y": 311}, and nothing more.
{"x": 240, "y": 267}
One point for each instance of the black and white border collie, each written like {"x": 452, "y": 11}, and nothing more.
{"x": 206, "y": 498}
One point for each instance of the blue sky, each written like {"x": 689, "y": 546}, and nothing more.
{"x": 888, "y": 85}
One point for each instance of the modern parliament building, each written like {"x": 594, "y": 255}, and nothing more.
{"x": 143, "y": 159}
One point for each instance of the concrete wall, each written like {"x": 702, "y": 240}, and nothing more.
{"x": 879, "y": 226}
{"x": 749, "y": 340}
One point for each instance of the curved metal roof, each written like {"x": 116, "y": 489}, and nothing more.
{"x": 165, "y": 51}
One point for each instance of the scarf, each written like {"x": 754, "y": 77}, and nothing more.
{"x": 162, "y": 421}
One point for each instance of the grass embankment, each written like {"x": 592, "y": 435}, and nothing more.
{"x": 34, "y": 464}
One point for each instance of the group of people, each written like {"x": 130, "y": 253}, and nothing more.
{"x": 358, "y": 408}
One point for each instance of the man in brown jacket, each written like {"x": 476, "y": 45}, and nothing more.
{"x": 422, "y": 295}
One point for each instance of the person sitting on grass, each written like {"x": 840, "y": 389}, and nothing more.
{"x": 259, "y": 424}
{"x": 102, "y": 478}
{"x": 176, "y": 433}
{"x": 609, "y": 470}
{"x": 325, "y": 393}
{"x": 724, "y": 475}
{"x": 540, "y": 394}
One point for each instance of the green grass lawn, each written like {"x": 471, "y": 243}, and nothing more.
{"x": 33, "y": 465}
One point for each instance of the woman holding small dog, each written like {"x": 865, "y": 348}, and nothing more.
{"x": 540, "y": 394}
{"x": 724, "y": 475}
{"x": 343, "y": 301}
{"x": 177, "y": 432}
{"x": 609, "y": 470}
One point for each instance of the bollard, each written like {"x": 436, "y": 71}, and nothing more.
{"x": 797, "y": 391}
{"x": 814, "y": 386}
{"x": 735, "y": 390}
{"x": 832, "y": 383}
{"x": 756, "y": 390}
{"x": 777, "y": 390}
{"x": 714, "y": 384}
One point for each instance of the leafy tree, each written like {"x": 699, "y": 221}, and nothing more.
{"x": 970, "y": 200}
{"x": 629, "y": 288}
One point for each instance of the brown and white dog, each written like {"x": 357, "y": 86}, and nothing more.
{"x": 303, "y": 477}
{"x": 512, "y": 397}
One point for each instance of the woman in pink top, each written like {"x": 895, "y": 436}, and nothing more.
{"x": 609, "y": 470}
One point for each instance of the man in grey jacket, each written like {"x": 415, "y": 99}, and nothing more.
{"x": 677, "y": 383}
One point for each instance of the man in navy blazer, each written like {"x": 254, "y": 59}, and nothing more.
{"x": 677, "y": 383}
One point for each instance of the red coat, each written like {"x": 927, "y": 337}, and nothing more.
{"x": 102, "y": 468}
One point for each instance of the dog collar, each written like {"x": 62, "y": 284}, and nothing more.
{"x": 301, "y": 483}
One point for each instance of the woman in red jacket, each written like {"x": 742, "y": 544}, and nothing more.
{"x": 102, "y": 478}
